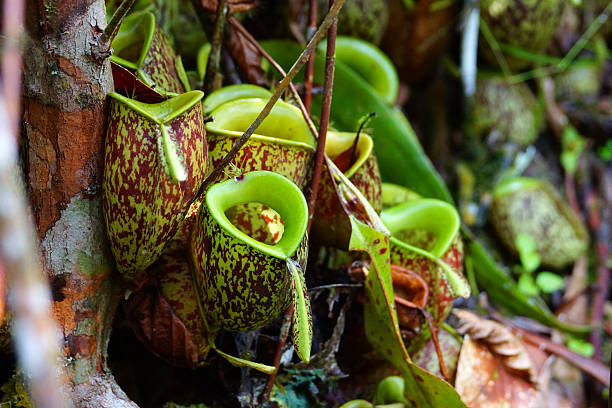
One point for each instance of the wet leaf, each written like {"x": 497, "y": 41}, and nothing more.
{"x": 484, "y": 381}
{"x": 501, "y": 342}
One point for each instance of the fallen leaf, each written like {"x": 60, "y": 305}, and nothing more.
{"x": 501, "y": 342}
{"x": 483, "y": 380}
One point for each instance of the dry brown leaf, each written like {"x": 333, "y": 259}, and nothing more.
{"x": 234, "y": 5}
{"x": 483, "y": 380}
{"x": 247, "y": 57}
{"x": 501, "y": 341}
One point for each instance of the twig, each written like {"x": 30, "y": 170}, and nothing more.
{"x": 282, "y": 341}
{"x": 214, "y": 78}
{"x": 329, "y": 78}
{"x": 236, "y": 24}
{"x": 603, "y": 235}
{"x": 282, "y": 86}
{"x": 113, "y": 26}
{"x": 328, "y": 85}
{"x": 309, "y": 75}
{"x": 35, "y": 333}
{"x": 432, "y": 329}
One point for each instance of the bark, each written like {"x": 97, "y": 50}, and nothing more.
{"x": 66, "y": 79}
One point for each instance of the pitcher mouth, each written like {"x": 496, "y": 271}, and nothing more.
{"x": 137, "y": 29}
{"x": 435, "y": 216}
{"x": 161, "y": 112}
{"x": 272, "y": 190}
{"x": 284, "y": 124}
{"x": 339, "y": 142}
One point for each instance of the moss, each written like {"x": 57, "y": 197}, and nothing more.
{"x": 15, "y": 393}
{"x": 365, "y": 19}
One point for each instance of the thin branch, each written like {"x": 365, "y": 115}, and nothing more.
{"x": 35, "y": 333}
{"x": 214, "y": 78}
{"x": 282, "y": 86}
{"x": 309, "y": 75}
{"x": 325, "y": 110}
{"x": 282, "y": 341}
{"x": 236, "y": 24}
{"x": 113, "y": 26}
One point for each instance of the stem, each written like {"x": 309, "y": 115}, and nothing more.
{"x": 282, "y": 86}
{"x": 282, "y": 341}
{"x": 113, "y": 26}
{"x": 312, "y": 17}
{"x": 325, "y": 110}
{"x": 35, "y": 332}
{"x": 214, "y": 78}
{"x": 236, "y": 24}
{"x": 432, "y": 329}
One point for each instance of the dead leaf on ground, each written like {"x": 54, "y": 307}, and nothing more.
{"x": 483, "y": 380}
{"x": 501, "y": 341}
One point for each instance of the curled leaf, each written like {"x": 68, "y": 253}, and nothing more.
{"x": 501, "y": 341}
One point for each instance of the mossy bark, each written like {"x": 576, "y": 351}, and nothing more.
{"x": 66, "y": 78}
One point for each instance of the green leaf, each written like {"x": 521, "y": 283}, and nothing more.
{"x": 527, "y": 285}
{"x": 581, "y": 347}
{"x": 572, "y": 144}
{"x": 502, "y": 289}
{"x": 400, "y": 156}
{"x": 422, "y": 388}
{"x": 266, "y": 369}
{"x": 302, "y": 315}
{"x": 549, "y": 282}
{"x": 526, "y": 247}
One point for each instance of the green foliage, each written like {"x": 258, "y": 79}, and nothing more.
{"x": 528, "y": 253}
{"x": 573, "y": 144}
{"x": 422, "y": 388}
{"x": 581, "y": 347}
{"x": 549, "y": 282}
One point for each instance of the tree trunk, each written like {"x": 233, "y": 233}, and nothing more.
{"x": 66, "y": 79}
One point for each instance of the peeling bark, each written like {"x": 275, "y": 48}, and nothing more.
{"x": 66, "y": 79}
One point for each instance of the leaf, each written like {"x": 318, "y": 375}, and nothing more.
{"x": 422, "y": 388}
{"x": 266, "y": 369}
{"x": 400, "y": 156}
{"x": 157, "y": 326}
{"x": 246, "y": 56}
{"x": 581, "y": 347}
{"x": 527, "y": 285}
{"x": 427, "y": 358}
{"x": 549, "y": 282}
{"x": 302, "y": 314}
{"x": 483, "y": 381}
{"x": 501, "y": 341}
{"x": 526, "y": 247}
{"x": 504, "y": 291}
